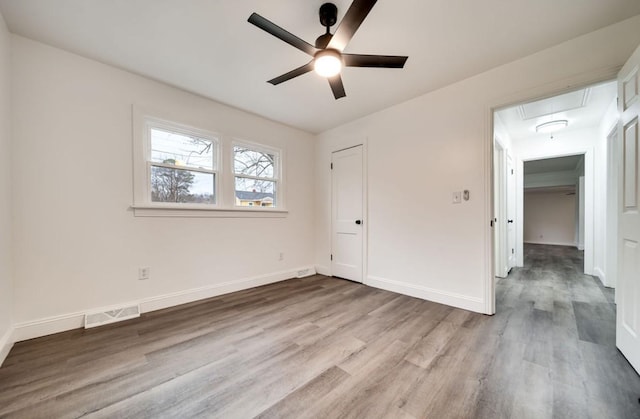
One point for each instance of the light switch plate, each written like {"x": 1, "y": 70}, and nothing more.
{"x": 457, "y": 197}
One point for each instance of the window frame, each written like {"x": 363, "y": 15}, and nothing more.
{"x": 224, "y": 174}
{"x": 150, "y": 123}
{"x": 276, "y": 179}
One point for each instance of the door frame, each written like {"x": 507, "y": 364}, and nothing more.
{"x": 589, "y": 216}
{"x": 543, "y": 91}
{"x": 611, "y": 210}
{"x": 500, "y": 213}
{"x": 365, "y": 207}
{"x": 512, "y": 200}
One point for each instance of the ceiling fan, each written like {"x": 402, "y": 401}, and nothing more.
{"x": 328, "y": 57}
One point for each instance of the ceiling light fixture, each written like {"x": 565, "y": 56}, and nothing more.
{"x": 328, "y": 63}
{"x": 325, "y": 62}
{"x": 552, "y": 126}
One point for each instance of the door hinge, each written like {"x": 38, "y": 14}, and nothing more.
{"x": 491, "y": 223}
{"x": 513, "y": 251}
{"x": 511, "y": 171}
{"x": 331, "y": 257}
{"x": 331, "y": 166}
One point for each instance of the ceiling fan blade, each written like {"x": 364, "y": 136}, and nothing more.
{"x": 293, "y": 73}
{"x": 336, "y": 86}
{"x": 275, "y": 30}
{"x": 351, "y": 21}
{"x": 385, "y": 61}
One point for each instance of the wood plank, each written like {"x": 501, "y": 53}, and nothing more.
{"x": 324, "y": 347}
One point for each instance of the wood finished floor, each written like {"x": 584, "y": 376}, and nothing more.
{"x": 328, "y": 348}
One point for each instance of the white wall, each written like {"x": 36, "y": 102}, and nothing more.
{"x": 549, "y": 217}
{"x": 422, "y": 150}
{"x": 6, "y": 281}
{"x": 77, "y": 243}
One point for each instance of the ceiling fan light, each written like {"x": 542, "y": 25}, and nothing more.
{"x": 328, "y": 63}
{"x": 552, "y": 126}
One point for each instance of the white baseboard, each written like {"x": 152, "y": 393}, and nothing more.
{"x": 47, "y": 326}
{"x": 323, "y": 270}
{"x": 597, "y": 271}
{"x": 6, "y": 343}
{"x": 55, "y": 324}
{"x": 195, "y": 294}
{"x": 443, "y": 297}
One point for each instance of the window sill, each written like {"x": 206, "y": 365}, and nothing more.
{"x": 204, "y": 212}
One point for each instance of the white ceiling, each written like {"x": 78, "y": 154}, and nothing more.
{"x": 582, "y": 109}
{"x": 207, "y": 47}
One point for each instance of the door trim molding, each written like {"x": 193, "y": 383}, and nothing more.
{"x": 610, "y": 273}
{"x": 516, "y": 216}
{"x": 499, "y": 208}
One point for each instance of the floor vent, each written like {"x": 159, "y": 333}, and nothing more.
{"x": 111, "y": 316}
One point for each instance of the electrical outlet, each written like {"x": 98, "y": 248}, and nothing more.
{"x": 144, "y": 273}
{"x": 281, "y": 256}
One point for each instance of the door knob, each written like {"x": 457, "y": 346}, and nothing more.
{"x": 358, "y": 222}
{"x": 509, "y": 221}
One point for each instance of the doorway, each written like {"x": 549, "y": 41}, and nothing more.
{"x": 541, "y": 136}
{"x": 553, "y": 204}
{"x": 621, "y": 116}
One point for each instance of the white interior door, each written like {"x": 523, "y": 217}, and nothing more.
{"x": 628, "y": 308}
{"x": 346, "y": 214}
{"x": 511, "y": 212}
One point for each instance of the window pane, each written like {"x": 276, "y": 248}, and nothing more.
{"x": 255, "y": 193}
{"x": 253, "y": 163}
{"x": 185, "y": 186}
{"x": 181, "y": 150}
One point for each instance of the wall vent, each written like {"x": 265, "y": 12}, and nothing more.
{"x": 111, "y": 316}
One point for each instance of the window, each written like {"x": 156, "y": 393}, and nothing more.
{"x": 182, "y": 165}
{"x": 179, "y": 172}
{"x": 255, "y": 176}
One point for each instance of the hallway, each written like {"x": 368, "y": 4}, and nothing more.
{"x": 567, "y": 320}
